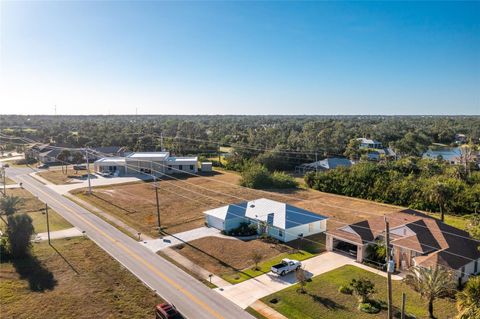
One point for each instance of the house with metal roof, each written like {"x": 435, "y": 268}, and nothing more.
{"x": 278, "y": 220}
{"x": 153, "y": 163}
{"x": 325, "y": 164}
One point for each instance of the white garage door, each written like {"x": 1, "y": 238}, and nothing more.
{"x": 215, "y": 222}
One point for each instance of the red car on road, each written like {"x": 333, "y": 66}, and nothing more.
{"x": 167, "y": 311}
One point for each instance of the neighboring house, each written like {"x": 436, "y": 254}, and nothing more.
{"x": 155, "y": 163}
{"x": 368, "y": 143}
{"x": 45, "y": 153}
{"x": 416, "y": 239}
{"x": 460, "y": 138}
{"x": 278, "y": 220}
{"x": 450, "y": 155}
{"x": 325, "y": 164}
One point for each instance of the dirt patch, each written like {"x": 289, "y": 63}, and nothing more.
{"x": 82, "y": 282}
{"x": 183, "y": 201}
{"x": 223, "y": 256}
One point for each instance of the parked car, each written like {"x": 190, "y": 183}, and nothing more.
{"x": 167, "y": 311}
{"x": 43, "y": 166}
{"x": 106, "y": 174}
{"x": 6, "y": 165}
{"x": 286, "y": 266}
{"x": 80, "y": 167}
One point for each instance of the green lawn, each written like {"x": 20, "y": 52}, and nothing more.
{"x": 264, "y": 267}
{"x": 323, "y": 300}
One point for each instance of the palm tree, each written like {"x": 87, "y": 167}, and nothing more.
{"x": 431, "y": 283}
{"x": 9, "y": 205}
{"x": 440, "y": 193}
{"x": 63, "y": 157}
{"x": 468, "y": 300}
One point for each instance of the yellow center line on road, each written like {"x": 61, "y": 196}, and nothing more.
{"x": 137, "y": 257}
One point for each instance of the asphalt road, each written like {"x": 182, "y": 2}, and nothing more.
{"x": 192, "y": 298}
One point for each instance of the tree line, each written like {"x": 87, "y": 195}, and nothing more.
{"x": 425, "y": 184}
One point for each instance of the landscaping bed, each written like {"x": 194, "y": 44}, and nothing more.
{"x": 323, "y": 299}
{"x": 82, "y": 282}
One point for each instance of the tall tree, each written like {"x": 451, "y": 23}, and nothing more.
{"x": 468, "y": 300}
{"x": 64, "y": 157}
{"x": 9, "y": 205}
{"x": 19, "y": 233}
{"x": 431, "y": 283}
{"x": 440, "y": 193}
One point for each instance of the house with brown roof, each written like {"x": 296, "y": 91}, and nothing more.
{"x": 416, "y": 239}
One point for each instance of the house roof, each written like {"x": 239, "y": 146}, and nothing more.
{"x": 141, "y": 155}
{"x": 277, "y": 214}
{"x": 109, "y": 149}
{"x": 367, "y": 141}
{"x": 413, "y": 230}
{"x": 182, "y": 160}
{"x": 329, "y": 163}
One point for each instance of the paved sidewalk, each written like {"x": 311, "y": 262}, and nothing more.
{"x": 247, "y": 292}
{"x": 96, "y": 181}
{"x": 194, "y": 268}
{"x": 179, "y": 238}
{"x": 59, "y": 234}
{"x": 266, "y": 311}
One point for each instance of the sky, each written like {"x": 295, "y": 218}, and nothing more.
{"x": 227, "y": 57}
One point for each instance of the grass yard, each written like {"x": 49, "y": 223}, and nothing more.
{"x": 255, "y": 313}
{"x": 36, "y": 210}
{"x": 183, "y": 201}
{"x": 323, "y": 300}
{"x": 232, "y": 260}
{"x": 82, "y": 282}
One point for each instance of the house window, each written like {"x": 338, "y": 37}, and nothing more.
{"x": 169, "y": 167}
{"x": 191, "y": 167}
{"x": 180, "y": 167}
{"x": 280, "y": 233}
{"x": 463, "y": 272}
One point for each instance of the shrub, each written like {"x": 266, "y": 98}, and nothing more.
{"x": 368, "y": 308}
{"x": 345, "y": 290}
{"x": 244, "y": 229}
{"x": 363, "y": 288}
{"x": 24, "y": 161}
{"x": 283, "y": 180}
{"x": 256, "y": 176}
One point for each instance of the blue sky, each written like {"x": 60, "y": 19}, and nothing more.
{"x": 240, "y": 57}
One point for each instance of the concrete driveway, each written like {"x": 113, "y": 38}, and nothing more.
{"x": 247, "y": 292}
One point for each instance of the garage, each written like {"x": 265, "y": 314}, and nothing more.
{"x": 215, "y": 222}
{"x": 345, "y": 247}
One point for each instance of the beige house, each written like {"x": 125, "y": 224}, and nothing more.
{"x": 416, "y": 239}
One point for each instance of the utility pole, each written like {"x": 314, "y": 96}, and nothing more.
{"x": 403, "y": 305}
{"x": 4, "y": 181}
{"x": 48, "y": 223}
{"x": 389, "y": 268}
{"x": 158, "y": 206}
{"x": 88, "y": 172}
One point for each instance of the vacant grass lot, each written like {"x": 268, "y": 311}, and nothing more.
{"x": 183, "y": 201}
{"x": 82, "y": 282}
{"x": 36, "y": 210}
{"x": 323, "y": 300}
{"x": 232, "y": 259}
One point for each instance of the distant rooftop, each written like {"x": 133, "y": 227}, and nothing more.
{"x": 148, "y": 154}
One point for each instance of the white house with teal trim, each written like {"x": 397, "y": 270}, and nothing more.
{"x": 279, "y": 220}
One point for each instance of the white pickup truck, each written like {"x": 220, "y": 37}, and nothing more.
{"x": 286, "y": 266}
